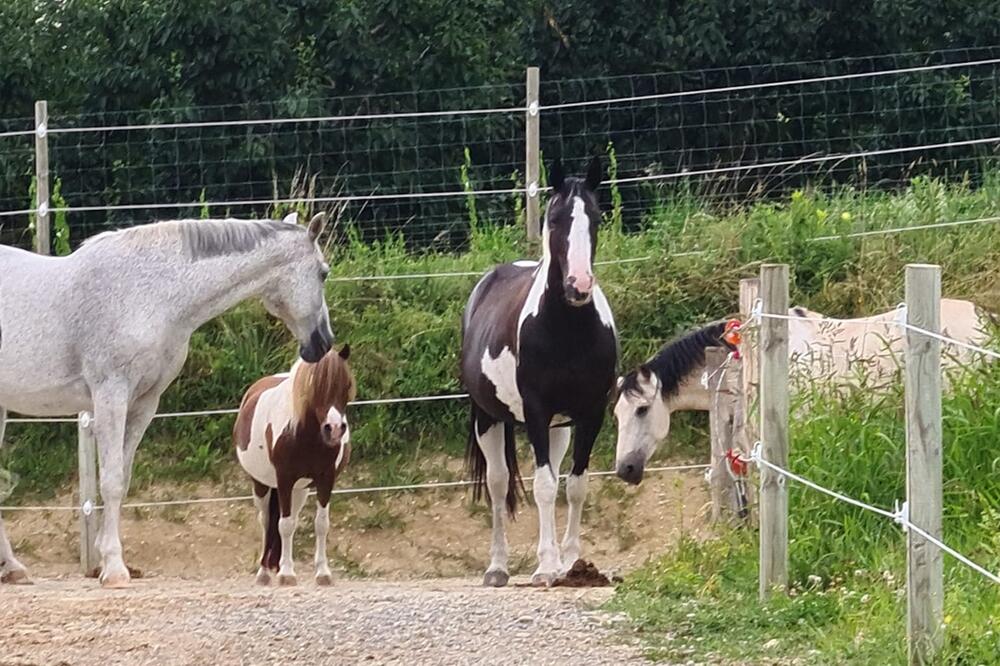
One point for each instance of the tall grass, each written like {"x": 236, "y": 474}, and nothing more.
{"x": 847, "y": 567}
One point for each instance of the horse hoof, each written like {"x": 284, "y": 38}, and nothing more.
{"x": 287, "y": 581}
{"x": 543, "y": 579}
{"x": 324, "y": 580}
{"x": 263, "y": 578}
{"x": 495, "y": 578}
{"x": 16, "y": 577}
{"x": 116, "y": 580}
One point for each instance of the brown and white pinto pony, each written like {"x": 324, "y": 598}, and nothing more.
{"x": 539, "y": 347}
{"x": 291, "y": 433}
{"x": 864, "y": 352}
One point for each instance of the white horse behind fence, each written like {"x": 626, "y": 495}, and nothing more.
{"x": 867, "y": 351}
{"x": 106, "y": 330}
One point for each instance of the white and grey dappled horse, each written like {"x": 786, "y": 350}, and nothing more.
{"x": 539, "y": 347}
{"x": 863, "y": 352}
{"x": 106, "y": 329}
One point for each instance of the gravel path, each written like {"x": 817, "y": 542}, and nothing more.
{"x": 171, "y": 621}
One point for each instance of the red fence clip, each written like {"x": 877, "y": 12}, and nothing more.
{"x": 737, "y": 464}
{"x": 732, "y": 336}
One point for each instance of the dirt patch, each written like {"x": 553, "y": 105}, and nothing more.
{"x": 420, "y": 534}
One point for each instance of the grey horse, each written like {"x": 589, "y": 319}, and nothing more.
{"x": 106, "y": 330}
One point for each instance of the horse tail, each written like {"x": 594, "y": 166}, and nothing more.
{"x": 475, "y": 462}
{"x": 271, "y": 559}
{"x": 514, "y": 481}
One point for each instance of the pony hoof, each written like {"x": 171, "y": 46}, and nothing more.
{"x": 116, "y": 580}
{"x": 495, "y": 578}
{"x": 287, "y": 581}
{"x": 324, "y": 580}
{"x": 16, "y": 577}
{"x": 543, "y": 579}
{"x": 263, "y": 578}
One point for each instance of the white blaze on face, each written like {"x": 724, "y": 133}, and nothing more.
{"x": 339, "y": 429}
{"x": 643, "y": 420}
{"x": 578, "y": 256}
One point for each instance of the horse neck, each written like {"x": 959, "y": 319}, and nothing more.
{"x": 221, "y": 283}
{"x": 691, "y": 395}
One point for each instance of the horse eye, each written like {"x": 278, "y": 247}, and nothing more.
{"x": 641, "y": 411}
{"x": 324, "y": 272}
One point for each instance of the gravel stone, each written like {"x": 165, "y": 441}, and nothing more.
{"x": 219, "y": 622}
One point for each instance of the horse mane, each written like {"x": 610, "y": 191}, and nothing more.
{"x": 677, "y": 359}
{"x": 201, "y": 239}
{"x": 327, "y": 382}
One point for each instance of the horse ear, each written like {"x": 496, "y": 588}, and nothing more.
{"x": 345, "y": 352}
{"x": 316, "y": 225}
{"x": 594, "y": 173}
{"x": 291, "y": 218}
{"x": 556, "y": 175}
{"x": 645, "y": 371}
{"x": 621, "y": 381}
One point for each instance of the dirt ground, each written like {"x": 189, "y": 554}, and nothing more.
{"x": 420, "y": 534}
{"x": 407, "y": 569}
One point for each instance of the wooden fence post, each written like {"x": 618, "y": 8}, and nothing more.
{"x": 773, "y": 428}
{"x": 747, "y": 432}
{"x": 720, "y": 412}
{"x": 42, "y": 205}
{"x": 532, "y": 167}
{"x": 750, "y": 365}
{"x": 90, "y": 560}
{"x": 924, "y": 566}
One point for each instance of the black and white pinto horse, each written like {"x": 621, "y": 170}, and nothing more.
{"x": 539, "y": 347}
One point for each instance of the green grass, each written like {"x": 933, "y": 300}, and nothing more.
{"x": 847, "y": 567}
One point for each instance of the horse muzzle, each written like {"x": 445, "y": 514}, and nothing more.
{"x": 577, "y": 296}
{"x": 320, "y": 342}
{"x": 335, "y": 435}
{"x": 631, "y": 468}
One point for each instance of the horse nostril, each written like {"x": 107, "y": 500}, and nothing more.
{"x": 327, "y": 428}
{"x": 343, "y": 428}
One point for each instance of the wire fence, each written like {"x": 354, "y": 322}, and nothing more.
{"x": 89, "y": 507}
{"x": 429, "y": 163}
{"x": 900, "y": 514}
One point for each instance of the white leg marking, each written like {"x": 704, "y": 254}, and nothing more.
{"x": 502, "y": 373}
{"x": 286, "y": 528}
{"x": 576, "y": 494}
{"x": 491, "y": 443}
{"x": 546, "y": 487}
{"x": 323, "y": 575}
{"x": 263, "y": 513}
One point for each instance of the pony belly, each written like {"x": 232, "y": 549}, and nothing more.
{"x": 256, "y": 462}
